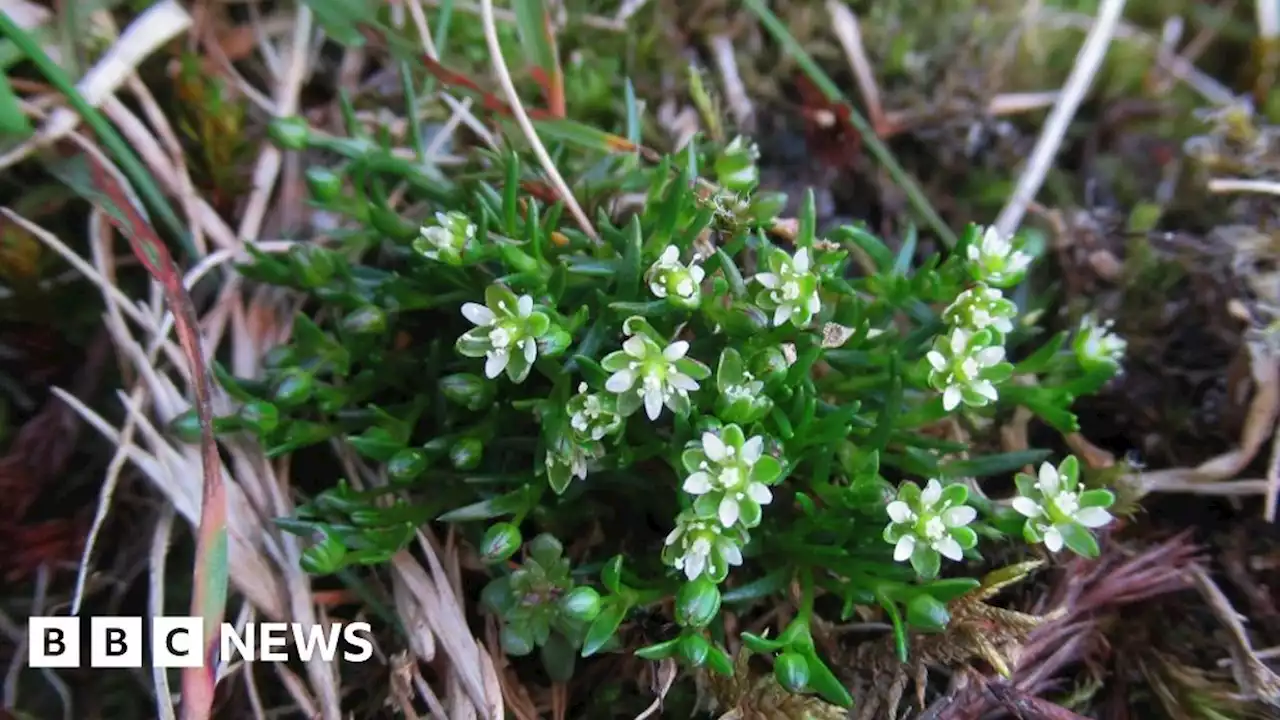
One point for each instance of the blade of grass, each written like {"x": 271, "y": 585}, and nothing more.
{"x": 119, "y": 149}
{"x": 904, "y": 180}
{"x": 209, "y": 595}
{"x": 538, "y": 36}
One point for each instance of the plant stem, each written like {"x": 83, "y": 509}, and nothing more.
{"x": 793, "y": 48}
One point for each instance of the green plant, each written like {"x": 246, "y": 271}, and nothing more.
{"x": 745, "y": 419}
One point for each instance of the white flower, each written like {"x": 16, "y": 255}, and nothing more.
{"x": 1052, "y": 504}
{"x": 995, "y": 261}
{"x": 1096, "y": 345}
{"x": 506, "y": 333}
{"x": 981, "y": 307}
{"x": 646, "y": 373}
{"x": 936, "y": 517}
{"x": 965, "y": 367}
{"x": 592, "y": 416}
{"x": 700, "y": 546}
{"x": 447, "y": 240}
{"x": 731, "y": 476}
{"x": 790, "y": 288}
{"x": 669, "y": 278}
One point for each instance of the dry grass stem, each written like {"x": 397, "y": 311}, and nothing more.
{"x": 845, "y": 25}
{"x": 1086, "y": 66}
{"x": 1243, "y": 185}
{"x": 735, "y": 91}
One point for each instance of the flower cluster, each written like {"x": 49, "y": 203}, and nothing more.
{"x": 646, "y": 373}
{"x": 1096, "y": 347}
{"x": 968, "y": 361}
{"x": 729, "y": 476}
{"x": 592, "y": 417}
{"x": 925, "y": 526}
{"x": 506, "y": 333}
{"x": 790, "y": 287}
{"x": 1059, "y": 511}
{"x": 674, "y": 281}
{"x": 994, "y": 260}
{"x": 448, "y": 240}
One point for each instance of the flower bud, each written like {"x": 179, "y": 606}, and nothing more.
{"x": 926, "y": 612}
{"x": 791, "y": 671}
{"x": 407, "y": 465}
{"x": 324, "y": 184}
{"x": 290, "y": 133}
{"x": 581, "y": 603}
{"x": 260, "y": 416}
{"x": 697, "y": 603}
{"x": 295, "y": 389}
{"x": 694, "y": 649}
{"x": 368, "y": 320}
{"x": 466, "y": 453}
{"x": 467, "y": 390}
{"x": 500, "y": 542}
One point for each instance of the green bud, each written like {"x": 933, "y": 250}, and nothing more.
{"x": 312, "y": 265}
{"x": 407, "y": 465}
{"x": 694, "y": 649}
{"x": 467, "y": 390}
{"x": 290, "y": 133}
{"x": 554, "y": 343}
{"x": 368, "y": 320}
{"x": 581, "y": 603}
{"x": 792, "y": 671}
{"x": 295, "y": 389}
{"x": 466, "y": 453}
{"x": 500, "y": 542}
{"x": 324, "y": 184}
{"x": 389, "y": 223}
{"x": 697, "y": 603}
{"x": 926, "y": 612}
{"x": 186, "y": 427}
{"x": 516, "y": 641}
{"x": 260, "y": 416}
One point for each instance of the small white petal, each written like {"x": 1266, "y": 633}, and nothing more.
{"x": 530, "y": 350}
{"x": 672, "y": 537}
{"x": 899, "y": 512}
{"x": 620, "y": 381}
{"x": 495, "y": 363}
{"x": 990, "y": 356}
{"x": 781, "y": 314}
{"x": 676, "y": 350}
{"x": 682, "y": 382}
{"x": 906, "y": 545}
{"x": 697, "y": 273}
{"x": 769, "y": 280}
{"x": 731, "y": 553}
{"x": 951, "y": 398}
{"x": 713, "y": 447}
{"x": 1092, "y": 517}
{"x": 986, "y": 389}
{"x": 752, "y": 449}
{"x": 1049, "y": 479}
{"x": 634, "y": 346}
{"x": 932, "y": 493}
{"x": 693, "y": 565}
{"x": 815, "y": 303}
{"x": 959, "y": 340}
{"x": 477, "y": 314}
{"x": 524, "y": 305}
{"x": 959, "y": 516}
{"x": 670, "y": 256}
{"x": 801, "y": 261}
{"x": 652, "y": 403}
{"x": 1053, "y": 539}
{"x": 949, "y": 548}
{"x": 1027, "y": 507}
{"x": 760, "y": 493}
{"x": 936, "y": 360}
{"x": 698, "y": 483}
{"x": 728, "y": 511}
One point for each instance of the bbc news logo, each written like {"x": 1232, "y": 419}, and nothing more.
{"x": 177, "y": 642}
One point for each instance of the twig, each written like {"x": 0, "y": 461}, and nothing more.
{"x": 526, "y": 126}
{"x": 1241, "y": 185}
{"x": 1055, "y": 129}
{"x": 735, "y": 92}
{"x": 845, "y": 25}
